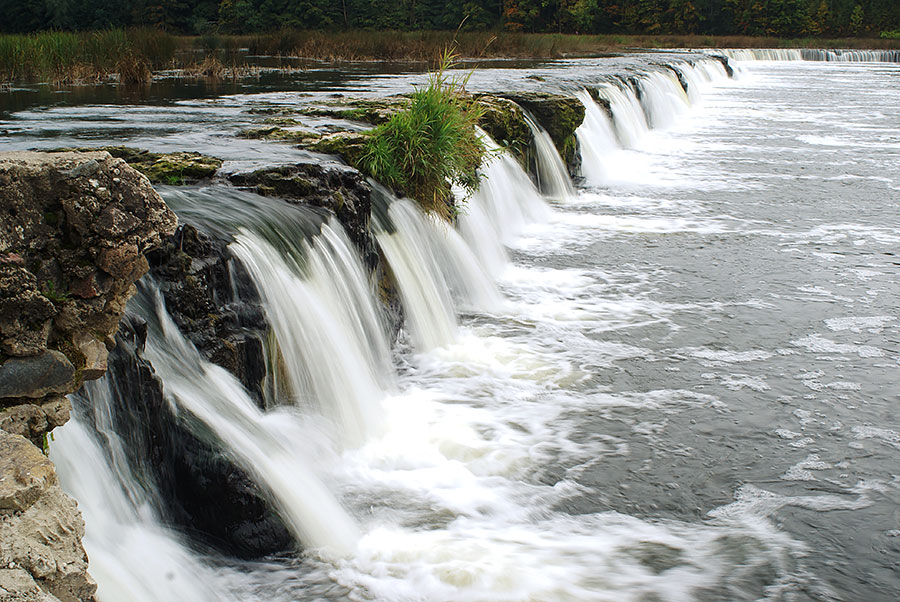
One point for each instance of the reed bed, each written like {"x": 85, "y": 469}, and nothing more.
{"x": 132, "y": 56}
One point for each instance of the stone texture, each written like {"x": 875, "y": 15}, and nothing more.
{"x": 41, "y": 529}
{"x": 74, "y": 228}
{"x": 25, "y": 474}
{"x": 36, "y": 375}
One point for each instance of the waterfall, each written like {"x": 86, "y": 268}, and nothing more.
{"x": 553, "y": 178}
{"x": 506, "y": 201}
{"x": 813, "y": 54}
{"x": 332, "y": 339}
{"x": 662, "y": 98}
{"x": 628, "y": 116}
{"x": 597, "y": 140}
{"x": 435, "y": 270}
{"x": 133, "y": 557}
{"x": 269, "y": 446}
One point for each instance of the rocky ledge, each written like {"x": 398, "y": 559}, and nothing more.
{"x": 74, "y": 228}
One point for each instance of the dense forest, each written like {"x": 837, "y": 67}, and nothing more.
{"x": 782, "y": 18}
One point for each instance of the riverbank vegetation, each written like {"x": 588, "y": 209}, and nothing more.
{"x": 133, "y": 55}
{"x": 431, "y": 145}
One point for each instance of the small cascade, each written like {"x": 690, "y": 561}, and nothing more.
{"x": 132, "y": 555}
{"x": 813, "y": 54}
{"x": 435, "y": 271}
{"x": 663, "y": 98}
{"x": 320, "y": 300}
{"x": 269, "y": 446}
{"x": 693, "y": 79}
{"x": 629, "y": 119}
{"x": 553, "y": 178}
{"x": 597, "y": 138}
{"x": 505, "y": 202}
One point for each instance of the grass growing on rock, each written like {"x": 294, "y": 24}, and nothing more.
{"x": 426, "y": 148}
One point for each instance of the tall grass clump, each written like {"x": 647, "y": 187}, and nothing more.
{"x": 61, "y": 57}
{"x": 431, "y": 145}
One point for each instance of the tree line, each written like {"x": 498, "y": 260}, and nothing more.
{"x": 780, "y": 18}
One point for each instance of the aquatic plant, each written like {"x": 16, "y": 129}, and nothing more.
{"x": 426, "y": 148}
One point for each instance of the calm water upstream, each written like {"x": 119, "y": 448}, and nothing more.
{"x": 687, "y": 391}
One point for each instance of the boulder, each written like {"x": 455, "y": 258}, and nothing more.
{"x": 560, "y": 116}
{"x": 41, "y": 530}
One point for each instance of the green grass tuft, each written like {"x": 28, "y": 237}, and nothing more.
{"x": 425, "y": 149}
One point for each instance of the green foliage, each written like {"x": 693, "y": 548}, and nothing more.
{"x": 66, "y": 57}
{"x": 431, "y": 145}
{"x": 890, "y": 35}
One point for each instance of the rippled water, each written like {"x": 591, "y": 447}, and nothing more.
{"x": 690, "y": 391}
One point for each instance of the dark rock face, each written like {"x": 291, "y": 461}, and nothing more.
{"x": 338, "y": 188}
{"x": 200, "y": 489}
{"x": 214, "y": 303}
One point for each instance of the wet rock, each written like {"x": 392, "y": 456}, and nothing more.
{"x": 214, "y": 302}
{"x": 273, "y": 132}
{"x": 161, "y": 168}
{"x": 505, "y": 123}
{"x": 37, "y": 375}
{"x": 338, "y": 188}
{"x": 560, "y": 116}
{"x": 349, "y": 146}
{"x": 201, "y": 488}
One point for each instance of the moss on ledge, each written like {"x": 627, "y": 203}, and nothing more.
{"x": 559, "y": 115}
{"x": 162, "y": 168}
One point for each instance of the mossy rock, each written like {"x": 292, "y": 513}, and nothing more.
{"x": 504, "y": 122}
{"x": 372, "y": 111}
{"x": 162, "y": 168}
{"x": 281, "y": 121}
{"x": 559, "y": 115}
{"x": 348, "y": 145}
{"x": 280, "y": 134}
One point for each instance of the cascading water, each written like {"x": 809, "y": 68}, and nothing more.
{"x": 435, "y": 270}
{"x": 553, "y": 178}
{"x": 132, "y": 555}
{"x": 558, "y": 452}
{"x": 324, "y": 305}
{"x": 662, "y": 98}
{"x": 813, "y": 54}
{"x": 629, "y": 119}
{"x": 504, "y": 204}
{"x": 597, "y": 140}
{"x": 267, "y": 445}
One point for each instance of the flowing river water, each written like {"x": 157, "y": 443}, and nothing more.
{"x": 677, "y": 382}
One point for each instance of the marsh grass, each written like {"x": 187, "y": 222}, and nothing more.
{"x": 66, "y": 58}
{"x": 133, "y": 55}
{"x": 431, "y": 145}
{"x": 421, "y": 46}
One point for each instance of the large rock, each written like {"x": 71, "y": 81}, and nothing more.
{"x": 40, "y": 529}
{"x": 74, "y": 228}
{"x": 560, "y": 116}
{"x": 338, "y": 188}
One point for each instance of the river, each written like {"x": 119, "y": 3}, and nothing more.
{"x": 677, "y": 383}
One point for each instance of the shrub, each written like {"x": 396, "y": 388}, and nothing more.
{"x": 431, "y": 145}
